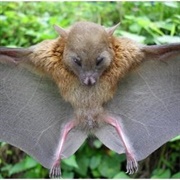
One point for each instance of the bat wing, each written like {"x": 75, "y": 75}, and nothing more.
{"x": 33, "y": 114}
{"x": 147, "y": 107}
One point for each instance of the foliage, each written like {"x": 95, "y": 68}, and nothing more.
{"x": 147, "y": 22}
{"x": 26, "y": 23}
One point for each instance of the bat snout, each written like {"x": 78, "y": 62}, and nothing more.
{"x": 89, "y": 81}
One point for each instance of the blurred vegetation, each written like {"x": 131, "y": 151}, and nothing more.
{"x": 27, "y": 23}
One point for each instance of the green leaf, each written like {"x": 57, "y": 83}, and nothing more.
{"x": 25, "y": 164}
{"x": 83, "y": 163}
{"x": 19, "y": 167}
{"x": 95, "y": 161}
{"x": 30, "y": 162}
{"x": 6, "y": 167}
{"x": 175, "y": 139}
{"x": 68, "y": 175}
{"x": 97, "y": 143}
{"x": 96, "y": 173}
{"x": 173, "y": 30}
{"x": 143, "y": 21}
{"x": 121, "y": 175}
{"x": 155, "y": 28}
{"x": 168, "y": 39}
{"x": 171, "y": 4}
{"x": 135, "y": 37}
{"x": 2, "y": 144}
{"x": 176, "y": 176}
{"x": 71, "y": 161}
{"x": 109, "y": 166}
{"x": 31, "y": 174}
{"x": 161, "y": 173}
{"x": 134, "y": 28}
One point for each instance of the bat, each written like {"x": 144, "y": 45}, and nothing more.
{"x": 88, "y": 81}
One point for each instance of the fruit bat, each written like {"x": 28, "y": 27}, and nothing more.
{"x": 87, "y": 81}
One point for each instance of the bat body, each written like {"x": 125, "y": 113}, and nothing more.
{"x": 125, "y": 93}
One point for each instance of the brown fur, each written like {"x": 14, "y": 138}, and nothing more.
{"x": 87, "y": 101}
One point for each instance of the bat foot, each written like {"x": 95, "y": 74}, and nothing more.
{"x": 132, "y": 165}
{"x": 55, "y": 171}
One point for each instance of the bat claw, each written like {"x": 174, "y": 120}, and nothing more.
{"x": 132, "y": 165}
{"x": 55, "y": 171}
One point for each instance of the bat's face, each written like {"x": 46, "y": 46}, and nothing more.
{"x": 88, "y": 54}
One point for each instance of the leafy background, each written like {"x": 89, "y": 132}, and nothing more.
{"x": 27, "y": 23}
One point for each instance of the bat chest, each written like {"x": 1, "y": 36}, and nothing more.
{"x": 88, "y": 122}
{"x": 88, "y": 103}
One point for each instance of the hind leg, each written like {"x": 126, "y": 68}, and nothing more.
{"x": 55, "y": 171}
{"x": 132, "y": 165}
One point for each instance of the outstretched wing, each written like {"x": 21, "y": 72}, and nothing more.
{"x": 147, "y": 104}
{"x": 33, "y": 114}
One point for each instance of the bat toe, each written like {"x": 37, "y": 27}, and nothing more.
{"x": 132, "y": 165}
{"x": 55, "y": 171}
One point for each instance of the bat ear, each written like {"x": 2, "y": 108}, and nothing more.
{"x": 161, "y": 52}
{"x": 111, "y": 30}
{"x": 14, "y": 55}
{"x": 62, "y": 32}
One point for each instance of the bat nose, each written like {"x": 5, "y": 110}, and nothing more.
{"x": 89, "y": 81}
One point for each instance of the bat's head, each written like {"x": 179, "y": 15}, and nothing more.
{"x": 88, "y": 51}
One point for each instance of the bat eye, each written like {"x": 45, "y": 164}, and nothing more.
{"x": 99, "y": 60}
{"x": 77, "y": 61}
